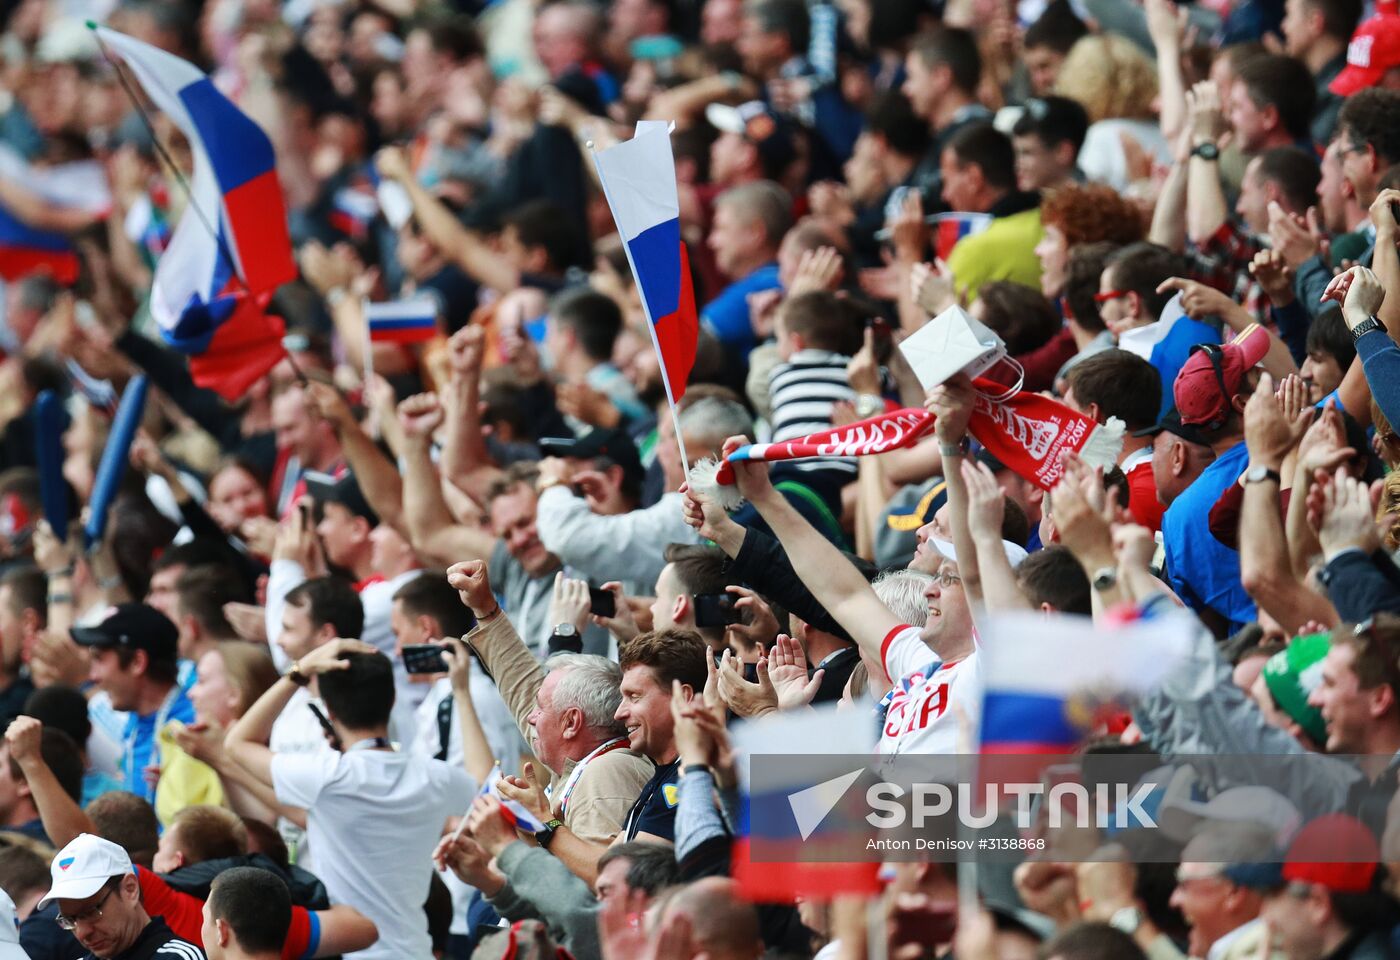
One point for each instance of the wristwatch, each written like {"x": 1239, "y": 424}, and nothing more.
{"x": 1365, "y": 327}
{"x": 1126, "y": 919}
{"x": 1260, "y": 474}
{"x": 868, "y": 405}
{"x": 1206, "y": 151}
{"x": 546, "y": 836}
{"x": 565, "y": 639}
{"x": 1105, "y": 578}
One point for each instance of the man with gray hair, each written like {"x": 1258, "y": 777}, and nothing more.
{"x": 749, "y": 224}
{"x": 565, "y": 709}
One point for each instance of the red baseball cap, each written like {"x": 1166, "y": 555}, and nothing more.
{"x": 1374, "y": 49}
{"x": 1335, "y": 851}
{"x": 1197, "y": 389}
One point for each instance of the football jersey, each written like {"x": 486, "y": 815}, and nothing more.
{"x": 919, "y": 717}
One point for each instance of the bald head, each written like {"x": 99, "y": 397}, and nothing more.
{"x": 721, "y": 924}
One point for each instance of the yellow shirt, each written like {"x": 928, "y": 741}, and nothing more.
{"x": 184, "y": 781}
{"x": 1005, "y": 250}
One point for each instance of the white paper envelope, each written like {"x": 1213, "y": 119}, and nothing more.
{"x": 951, "y": 342}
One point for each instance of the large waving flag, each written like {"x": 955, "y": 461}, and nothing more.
{"x": 231, "y": 251}
{"x": 25, "y": 248}
{"x": 639, "y": 179}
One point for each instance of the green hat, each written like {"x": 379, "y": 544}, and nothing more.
{"x": 1292, "y": 674}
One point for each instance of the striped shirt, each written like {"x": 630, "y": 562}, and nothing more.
{"x": 803, "y": 390}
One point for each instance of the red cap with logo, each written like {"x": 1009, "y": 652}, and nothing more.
{"x": 1374, "y": 49}
{"x": 1213, "y": 374}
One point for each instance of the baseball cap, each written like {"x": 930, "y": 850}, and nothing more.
{"x": 1374, "y": 49}
{"x": 1015, "y": 553}
{"x": 344, "y": 490}
{"x": 897, "y": 532}
{"x": 80, "y": 869}
{"x": 132, "y": 626}
{"x": 1171, "y": 423}
{"x": 1292, "y": 674}
{"x": 1180, "y": 816}
{"x": 612, "y": 444}
{"x": 757, "y": 123}
{"x": 1213, "y": 374}
{"x": 1335, "y": 851}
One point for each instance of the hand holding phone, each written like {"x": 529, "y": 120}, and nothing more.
{"x": 424, "y": 658}
{"x": 601, "y": 603}
{"x": 716, "y": 610}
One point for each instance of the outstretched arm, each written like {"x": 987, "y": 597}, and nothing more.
{"x": 433, "y": 531}
{"x": 377, "y": 476}
{"x": 63, "y": 818}
{"x": 465, "y": 461}
{"x": 1206, "y": 209}
{"x": 466, "y": 248}
{"x": 1271, "y": 429}
{"x": 344, "y": 930}
{"x": 952, "y": 403}
{"x": 833, "y": 579}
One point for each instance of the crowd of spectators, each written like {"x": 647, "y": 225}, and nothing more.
{"x": 344, "y": 638}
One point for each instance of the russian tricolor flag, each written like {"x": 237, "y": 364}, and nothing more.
{"x": 780, "y": 817}
{"x": 229, "y": 254}
{"x": 1052, "y": 682}
{"x": 403, "y": 321}
{"x": 26, "y": 249}
{"x": 639, "y": 179}
{"x": 949, "y": 228}
{"x": 353, "y": 210}
{"x": 513, "y": 810}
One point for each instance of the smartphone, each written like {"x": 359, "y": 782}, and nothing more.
{"x": 331, "y": 735}
{"x": 423, "y": 658}
{"x": 884, "y": 338}
{"x": 716, "y": 610}
{"x": 602, "y": 603}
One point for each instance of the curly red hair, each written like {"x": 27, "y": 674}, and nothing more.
{"x": 1091, "y": 213}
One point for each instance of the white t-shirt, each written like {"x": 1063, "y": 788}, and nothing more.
{"x": 920, "y": 717}
{"x": 297, "y": 732}
{"x": 502, "y": 735}
{"x": 373, "y": 819}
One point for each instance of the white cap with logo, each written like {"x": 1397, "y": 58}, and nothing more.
{"x": 80, "y": 869}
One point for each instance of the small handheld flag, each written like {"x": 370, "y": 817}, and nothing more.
{"x": 402, "y": 321}
{"x": 639, "y": 181}
{"x": 513, "y": 810}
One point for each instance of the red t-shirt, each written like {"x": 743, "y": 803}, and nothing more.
{"x": 184, "y": 914}
{"x": 1143, "y": 504}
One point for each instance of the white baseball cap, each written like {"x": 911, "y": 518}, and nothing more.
{"x": 80, "y": 869}
{"x": 1015, "y": 553}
